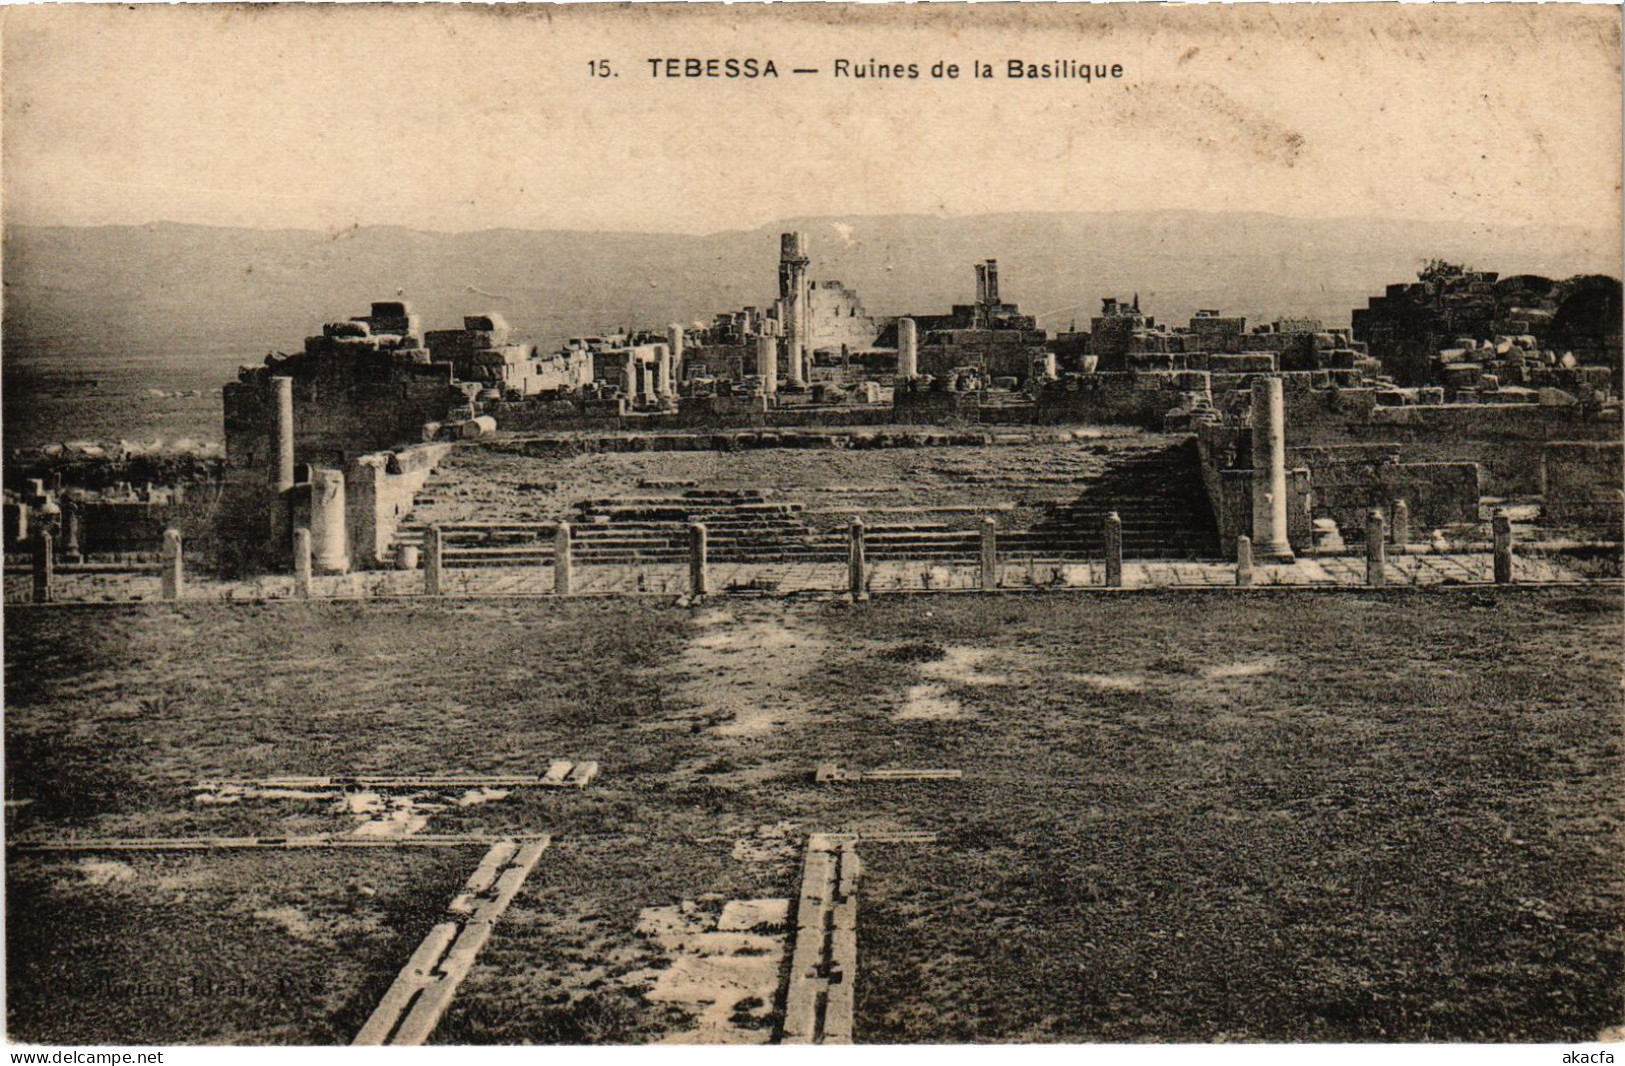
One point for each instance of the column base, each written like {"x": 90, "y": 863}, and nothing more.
{"x": 1272, "y": 553}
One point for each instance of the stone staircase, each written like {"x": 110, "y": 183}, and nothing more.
{"x": 1156, "y": 491}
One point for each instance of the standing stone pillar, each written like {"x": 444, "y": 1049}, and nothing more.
{"x": 301, "y": 563}
{"x": 281, "y": 468}
{"x": 767, "y": 364}
{"x": 174, "y": 574}
{"x": 1269, "y": 470}
{"x": 908, "y": 349}
{"x": 434, "y": 546}
{"x": 1244, "y": 561}
{"x": 699, "y": 574}
{"x": 1402, "y": 524}
{"x": 282, "y": 433}
{"x": 563, "y": 565}
{"x": 73, "y": 519}
{"x": 674, "y": 344}
{"x": 990, "y": 553}
{"x": 662, "y": 385}
{"x": 1501, "y": 524}
{"x": 1114, "y": 551}
{"x": 629, "y": 379}
{"x": 794, "y": 365}
{"x": 1376, "y": 552}
{"x": 44, "y": 567}
{"x": 330, "y": 544}
{"x": 856, "y": 564}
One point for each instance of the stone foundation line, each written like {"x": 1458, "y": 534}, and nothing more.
{"x": 415, "y": 1003}
{"x": 285, "y": 843}
{"x": 829, "y": 771}
{"x": 560, "y": 773}
{"x": 824, "y": 964}
{"x": 820, "y": 996}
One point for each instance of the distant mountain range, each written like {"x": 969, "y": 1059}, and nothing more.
{"x": 204, "y": 299}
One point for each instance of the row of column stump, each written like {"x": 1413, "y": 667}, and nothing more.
{"x": 1376, "y": 535}
{"x": 988, "y": 556}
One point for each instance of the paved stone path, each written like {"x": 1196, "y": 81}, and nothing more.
{"x": 783, "y": 579}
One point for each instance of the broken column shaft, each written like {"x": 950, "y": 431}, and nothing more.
{"x": 1244, "y": 561}
{"x": 330, "y": 548}
{"x": 44, "y": 567}
{"x": 73, "y": 518}
{"x": 699, "y": 575}
{"x": 301, "y": 563}
{"x": 908, "y": 349}
{"x": 857, "y": 579}
{"x": 1402, "y": 524}
{"x": 990, "y": 553}
{"x": 563, "y": 565}
{"x": 433, "y": 548}
{"x": 1501, "y": 526}
{"x": 1269, "y": 471}
{"x": 1376, "y": 551}
{"x": 767, "y": 364}
{"x": 674, "y": 355}
{"x": 174, "y": 573}
{"x": 1113, "y": 536}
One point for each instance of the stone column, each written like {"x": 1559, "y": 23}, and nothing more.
{"x": 908, "y": 349}
{"x": 301, "y": 563}
{"x": 767, "y": 364}
{"x": 804, "y": 345}
{"x": 856, "y": 564}
{"x": 282, "y": 433}
{"x": 174, "y": 573}
{"x": 674, "y": 343}
{"x": 330, "y": 545}
{"x": 281, "y": 468}
{"x": 73, "y": 518}
{"x": 1114, "y": 550}
{"x": 629, "y": 379}
{"x": 1402, "y": 524}
{"x": 44, "y": 567}
{"x": 666, "y": 376}
{"x": 1376, "y": 551}
{"x": 433, "y": 548}
{"x": 699, "y": 574}
{"x": 1269, "y": 471}
{"x": 1501, "y": 524}
{"x": 794, "y": 366}
{"x": 990, "y": 553}
{"x": 563, "y": 565}
{"x": 1244, "y": 561}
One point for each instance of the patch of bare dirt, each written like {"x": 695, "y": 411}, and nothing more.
{"x": 744, "y": 671}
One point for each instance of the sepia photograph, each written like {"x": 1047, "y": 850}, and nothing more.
{"x": 863, "y": 524}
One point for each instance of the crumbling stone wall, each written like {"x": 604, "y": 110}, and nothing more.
{"x": 1346, "y": 483}
{"x": 935, "y": 407}
{"x": 1140, "y": 398}
{"x": 338, "y": 413}
{"x": 379, "y": 492}
{"x": 1581, "y": 484}
{"x": 1505, "y": 440}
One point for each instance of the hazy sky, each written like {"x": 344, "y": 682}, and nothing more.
{"x": 443, "y": 117}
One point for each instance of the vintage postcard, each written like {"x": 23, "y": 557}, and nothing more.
{"x": 812, "y": 524}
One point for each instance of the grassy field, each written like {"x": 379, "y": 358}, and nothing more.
{"x": 1276, "y": 816}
